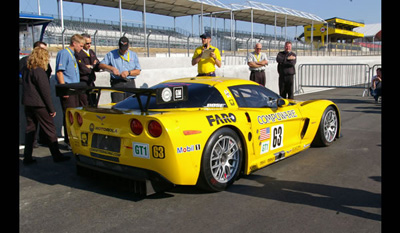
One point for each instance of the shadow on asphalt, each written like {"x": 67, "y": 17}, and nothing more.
{"x": 47, "y": 172}
{"x": 341, "y": 200}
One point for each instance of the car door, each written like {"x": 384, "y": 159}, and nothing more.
{"x": 276, "y": 129}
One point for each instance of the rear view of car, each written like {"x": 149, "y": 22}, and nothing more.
{"x": 150, "y": 137}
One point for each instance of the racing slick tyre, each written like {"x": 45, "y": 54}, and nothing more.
{"x": 221, "y": 161}
{"x": 328, "y": 128}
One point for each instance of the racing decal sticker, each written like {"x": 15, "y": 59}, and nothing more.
{"x": 186, "y": 149}
{"x": 178, "y": 91}
{"x": 166, "y": 94}
{"x": 265, "y": 134}
{"x": 158, "y": 152}
{"x": 92, "y": 127}
{"x": 264, "y": 147}
{"x": 227, "y": 93}
{"x": 279, "y": 116}
{"x": 171, "y": 94}
{"x": 84, "y": 139}
{"x": 221, "y": 119}
{"x": 277, "y": 137}
{"x": 141, "y": 150}
{"x": 101, "y": 118}
{"x": 216, "y": 105}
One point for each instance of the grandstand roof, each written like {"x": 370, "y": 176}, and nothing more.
{"x": 265, "y": 14}
{"x": 371, "y": 31}
{"x": 34, "y": 19}
{"x": 174, "y": 8}
{"x": 262, "y": 13}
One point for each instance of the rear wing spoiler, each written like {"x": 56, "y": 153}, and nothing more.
{"x": 163, "y": 95}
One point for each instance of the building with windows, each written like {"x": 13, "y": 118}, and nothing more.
{"x": 338, "y": 31}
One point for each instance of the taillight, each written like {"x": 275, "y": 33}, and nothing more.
{"x": 71, "y": 118}
{"x": 79, "y": 119}
{"x": 155, "y": 129}
{"x": 136, "y": 127}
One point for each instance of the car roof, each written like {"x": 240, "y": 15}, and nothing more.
{"x": 214, "y": 81}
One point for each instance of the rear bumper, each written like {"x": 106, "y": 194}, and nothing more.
{"x": 149, "y": 182}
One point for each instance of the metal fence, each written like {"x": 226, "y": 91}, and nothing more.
{"x": 106, "y": 33}
{"x": 335, "y": 75}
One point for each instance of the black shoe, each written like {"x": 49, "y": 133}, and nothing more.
{"x": 29, "y": 161}
{"x": 35, "y": 145}
{"x": 60, "y": 158}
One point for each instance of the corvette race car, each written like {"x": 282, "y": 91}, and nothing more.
{"x": 202, "y": 131}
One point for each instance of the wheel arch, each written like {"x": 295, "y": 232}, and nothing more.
{"x": 244, "y": 143}
{"x": 336, "y": 108}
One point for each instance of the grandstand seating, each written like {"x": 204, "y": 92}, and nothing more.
{"x": 108, "y": 34}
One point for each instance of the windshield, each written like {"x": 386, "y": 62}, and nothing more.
{"x": 199, "y": 95}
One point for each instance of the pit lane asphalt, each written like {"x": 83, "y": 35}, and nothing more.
{"x": 332, "y": 189}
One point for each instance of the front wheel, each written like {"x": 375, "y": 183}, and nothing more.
{"x": 221, "y": 160}
{"x": 328, "y": 128}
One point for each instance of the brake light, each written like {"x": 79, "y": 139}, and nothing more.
{"x": 79, "y": 119}
{"x": 71, "y": 118}
{"x": 155, "y": 129}
{"x": 136, "y": 127}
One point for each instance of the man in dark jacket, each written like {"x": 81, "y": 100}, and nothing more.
{"x": 88, "y": 64}
{"x": 286, "y": 62}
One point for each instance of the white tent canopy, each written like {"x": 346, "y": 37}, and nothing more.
{"x": 254, "y": 12}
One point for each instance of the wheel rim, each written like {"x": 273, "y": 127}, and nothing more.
{"x": 330, "y": 125}
{"x": 224, "y": 159}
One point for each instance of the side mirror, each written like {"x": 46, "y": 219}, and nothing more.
{"x": 282, "y": 102}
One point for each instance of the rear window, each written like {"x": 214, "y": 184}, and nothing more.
{"x": 254, "y": 96}
{"x": 199, "y": 95}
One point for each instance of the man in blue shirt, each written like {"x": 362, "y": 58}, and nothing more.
{"x": 67, "y": 71}
{"x": 124, "y": 66}
{"x": 67, "y": 68}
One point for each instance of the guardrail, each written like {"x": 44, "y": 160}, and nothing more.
{"x": 334, "y": 75}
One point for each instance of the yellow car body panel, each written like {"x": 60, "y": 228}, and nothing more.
{"x": 268, "y": 135}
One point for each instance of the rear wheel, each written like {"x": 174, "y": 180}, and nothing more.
{"x": 221, "y": 160}
{"x": 328, "y": 128}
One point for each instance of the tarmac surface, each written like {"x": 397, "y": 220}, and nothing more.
{"x": 331, "y": 189}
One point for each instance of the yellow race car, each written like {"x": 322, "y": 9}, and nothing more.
{"x": 202, "y": 131}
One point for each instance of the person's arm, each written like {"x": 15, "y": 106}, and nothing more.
{"x": 196, "y": 60}
{"x": 61, "y": 64}
{"x": 134, "y": 72}
{"x": 43, "y": 87}
{"x": 84, "y": 69}
{"x": 217, "y": 57}
{"x": 60, "y": 77}
{"x": 255, "y": 64}
{"x": 291, "y": 59}
{"x": 262, "y": 63}
{"x": 96, "y": 61}
{"x": 217, "y": 61}
{"x": 196, "y": 57}
{"x": 112, "y": 69}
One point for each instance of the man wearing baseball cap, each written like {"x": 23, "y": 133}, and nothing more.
{"x": 124, "y": 67}
{"x": 206, "y": 56}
